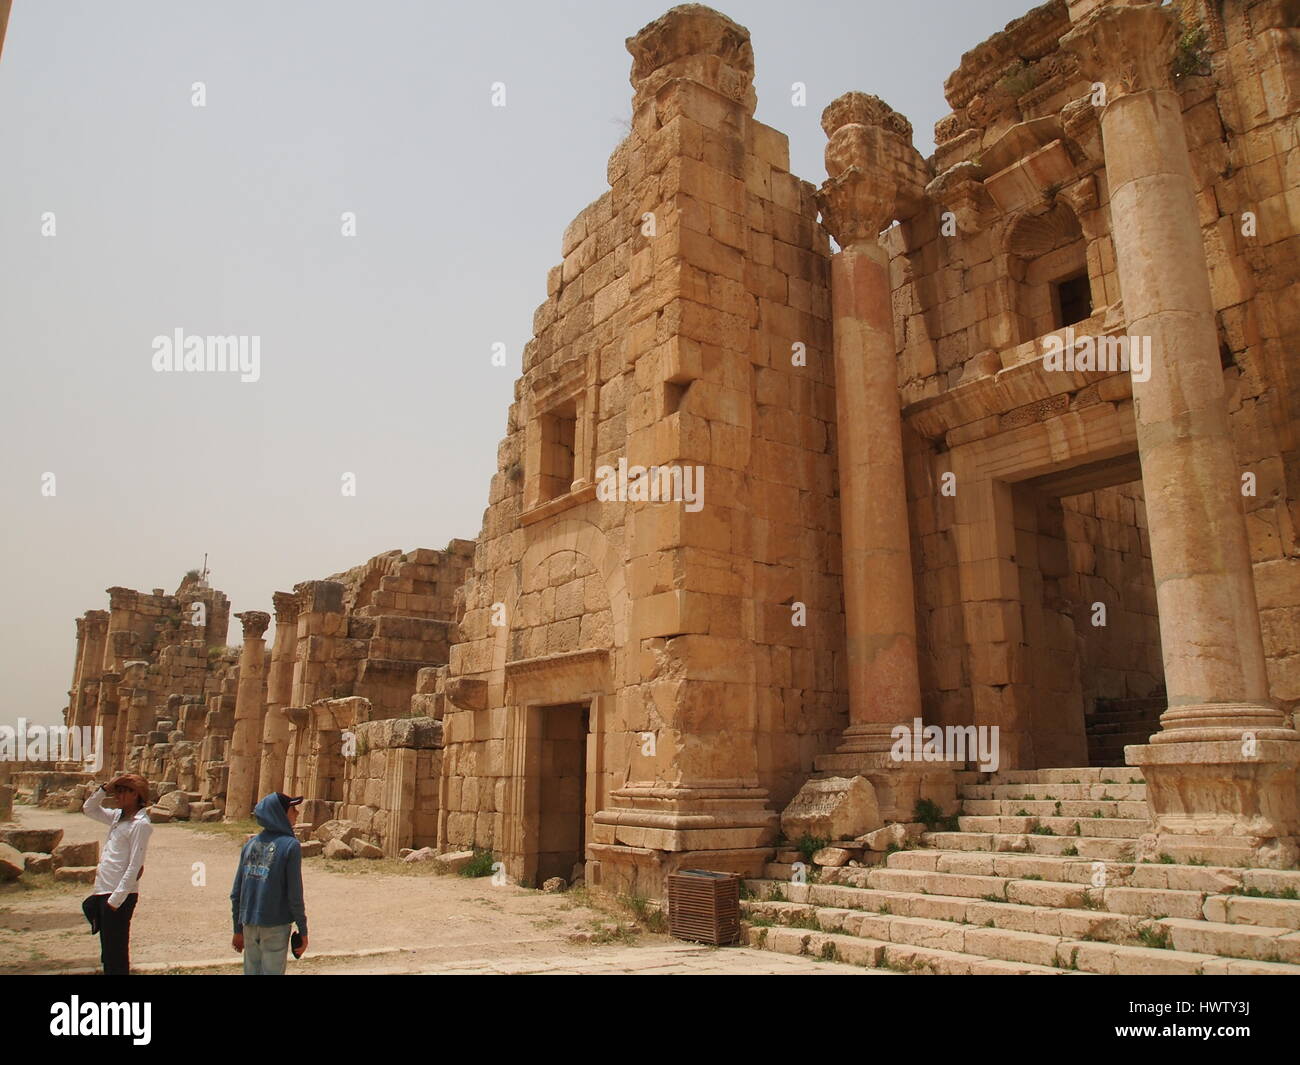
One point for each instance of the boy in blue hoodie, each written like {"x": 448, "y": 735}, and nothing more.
{"x": 267, "y": 897}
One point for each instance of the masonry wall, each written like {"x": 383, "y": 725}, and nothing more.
{"x": 671, "y": 346}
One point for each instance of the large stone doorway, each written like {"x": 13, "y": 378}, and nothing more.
{"x": 1091, "y": 625}
{"x": 562, "y": 777}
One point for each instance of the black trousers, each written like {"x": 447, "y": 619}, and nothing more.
{"x": 114, "y": 927}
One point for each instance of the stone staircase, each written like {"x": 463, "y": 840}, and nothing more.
{"x": 1042, "y": 877}
{"x": 1116, "y": 723}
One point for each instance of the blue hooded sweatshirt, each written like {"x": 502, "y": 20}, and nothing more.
{"x": 268, "y": 882}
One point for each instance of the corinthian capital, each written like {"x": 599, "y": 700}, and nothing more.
{"x": 254, "y": 622}
{"x": 1127, "y": 48}
{"x": 286, "y": 606}
{"x": 856, "y": 205}
{"x": 872, "y": 168}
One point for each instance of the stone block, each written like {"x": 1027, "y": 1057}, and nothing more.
{"x": 364, "y": 849}
{"x": 76, "y": 854}
{"x": 32, "y": 840}
{"x": 336, "y": 848}
{"x": 12, "y": 863}
{"x": 454, "y": 861}
{"x": 39, "y": 863}
{"x": 345, "y": 831}
{"x": 832, "y": 808}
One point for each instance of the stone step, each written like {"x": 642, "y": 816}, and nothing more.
{"x": 889, "y": 957}
{"x": 1022, "y": 807}
{"x": 1256, "y": 943}
{"x": 1039, "y": 792}
{"x": 989, "y": 888}
{"x": 1109, "y": 827}
{"x": 1175, "y": 945}
{"x": 1082, "y": 775}
{"x": 1095, "y": 847}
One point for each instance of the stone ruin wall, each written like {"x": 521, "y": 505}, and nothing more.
{"x": 674, "y": 349}
{"x": 363, "y": 654}
{"x": 373, "y": 641}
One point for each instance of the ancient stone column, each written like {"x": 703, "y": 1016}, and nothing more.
{"x": 72, "y": 715}
{"x": 245, "y": 740}
{"x": 1208, "y": 770}
{"x": 91, "y": 665}
{"x": 132, "y": 706}
{"x": 858, "y": 201}
{"x": 279, "y": 692}
{"x": 120, "y": 637}
{"x": 106, "y": 718}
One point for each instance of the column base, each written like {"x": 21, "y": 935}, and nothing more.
{"x": 1222, "y": 722}
{"x": 1243, "y": 790}
{"x": 614, "y": 869}
{"x": 868, "y": 738}
{"x": 696, "y": 818}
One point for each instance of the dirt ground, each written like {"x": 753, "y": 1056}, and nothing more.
{"x": 377, "y": 915}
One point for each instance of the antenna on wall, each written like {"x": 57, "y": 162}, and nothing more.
{"x": 204, "y": 578}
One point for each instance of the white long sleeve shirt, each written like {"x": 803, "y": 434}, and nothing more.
{"x": 123, "y": 854}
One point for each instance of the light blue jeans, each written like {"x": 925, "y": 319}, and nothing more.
{"x": 266, "y": 949}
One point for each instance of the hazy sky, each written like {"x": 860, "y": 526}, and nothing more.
{"x": 375, "y": 349}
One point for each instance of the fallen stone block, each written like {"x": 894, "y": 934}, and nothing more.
{"x": 365, "y": 849}
{"x": 454, "y": 861}
{"x": 832, "y": 808}
{"x": 424, "y": 854}
{"x": 554, "y": 884}
{"x": 832, "y": 857}
{"x": 38, "y": 863}
{"x": 882, "y": 839}
{"x": 159, "y": 816}
{"x": 76, "y": 854}
{"x": 345, "y": 831}
{"x": 75, "y": 874}
{"x": 312, "y": 848}
{"x": 210, "y": 815}
{"x": 12, "y": 863}
{"x": 336, "y": 848}
{"x": 176, "y": 803}
{"x": 404, "y": 852}
{"x": 33, "y": 840}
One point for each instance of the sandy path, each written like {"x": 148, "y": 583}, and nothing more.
{"x": 353, "y": 906}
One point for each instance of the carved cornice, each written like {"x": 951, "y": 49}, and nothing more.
{"x": 1030, "y": 37}
{"x": 523, "y": 666}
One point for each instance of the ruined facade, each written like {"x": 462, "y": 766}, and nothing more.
{"x": 1002, "y": 438}
{"x": 908, "y": 512}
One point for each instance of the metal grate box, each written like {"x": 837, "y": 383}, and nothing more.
{"x": 704, "y": 906}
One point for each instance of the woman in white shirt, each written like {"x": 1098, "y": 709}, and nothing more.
{"x": 110, "y": 908}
